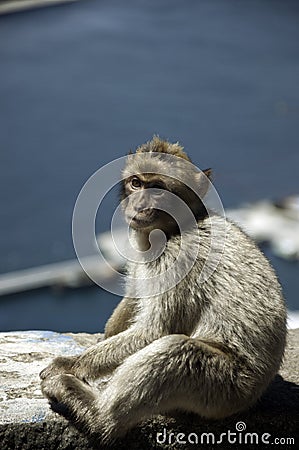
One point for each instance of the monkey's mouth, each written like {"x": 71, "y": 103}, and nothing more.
{"x": 143, "y": 218}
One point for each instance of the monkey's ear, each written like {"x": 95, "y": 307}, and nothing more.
{"x": 203, "y": 181}
{"x": 208, "y": 173}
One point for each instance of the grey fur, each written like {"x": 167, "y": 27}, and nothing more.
{"x": 211, "y": 348}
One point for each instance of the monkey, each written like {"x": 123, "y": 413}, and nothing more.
{"x": 209, "y": 346}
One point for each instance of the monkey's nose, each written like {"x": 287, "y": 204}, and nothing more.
{"x": 141, "y": 206}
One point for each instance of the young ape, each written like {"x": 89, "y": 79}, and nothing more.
{"x": 178, "y": 340}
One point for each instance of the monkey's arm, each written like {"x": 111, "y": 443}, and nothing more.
{"x": 121, "y": 317}
{"x": 103, "y": 357}
{"x": 151, "y": 323}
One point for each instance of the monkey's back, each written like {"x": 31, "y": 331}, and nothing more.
{"x": 243, "y": 304}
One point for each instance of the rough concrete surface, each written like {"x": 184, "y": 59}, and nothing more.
{"x": 26, "y": 421}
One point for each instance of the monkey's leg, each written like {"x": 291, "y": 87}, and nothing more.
{"x": 174, "y": 372}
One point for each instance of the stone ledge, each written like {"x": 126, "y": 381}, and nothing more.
{"x": 26, "y": 421}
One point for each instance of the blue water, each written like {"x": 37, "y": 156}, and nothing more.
{"x": 81, "y": 84}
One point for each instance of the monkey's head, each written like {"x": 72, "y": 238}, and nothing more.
{"x": 158, "y": 180}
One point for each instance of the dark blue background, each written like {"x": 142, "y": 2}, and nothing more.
{"x": 81, "y": 84}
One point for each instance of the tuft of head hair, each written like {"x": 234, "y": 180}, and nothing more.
{"x": 158, "y": 145}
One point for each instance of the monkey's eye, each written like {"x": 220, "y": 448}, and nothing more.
{"x": 136, "y": 183}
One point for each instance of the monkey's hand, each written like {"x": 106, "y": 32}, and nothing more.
{"x": 60, "y": 365}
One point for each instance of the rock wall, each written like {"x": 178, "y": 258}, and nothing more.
{"x": 26, "y": 421}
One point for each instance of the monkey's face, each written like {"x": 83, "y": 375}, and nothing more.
{"x": 162, "y": 191}
{"x": 144, "y": 201}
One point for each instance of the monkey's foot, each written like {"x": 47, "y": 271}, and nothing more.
{"x": 69, "y": 397}
{"x": 77, "y": 402}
